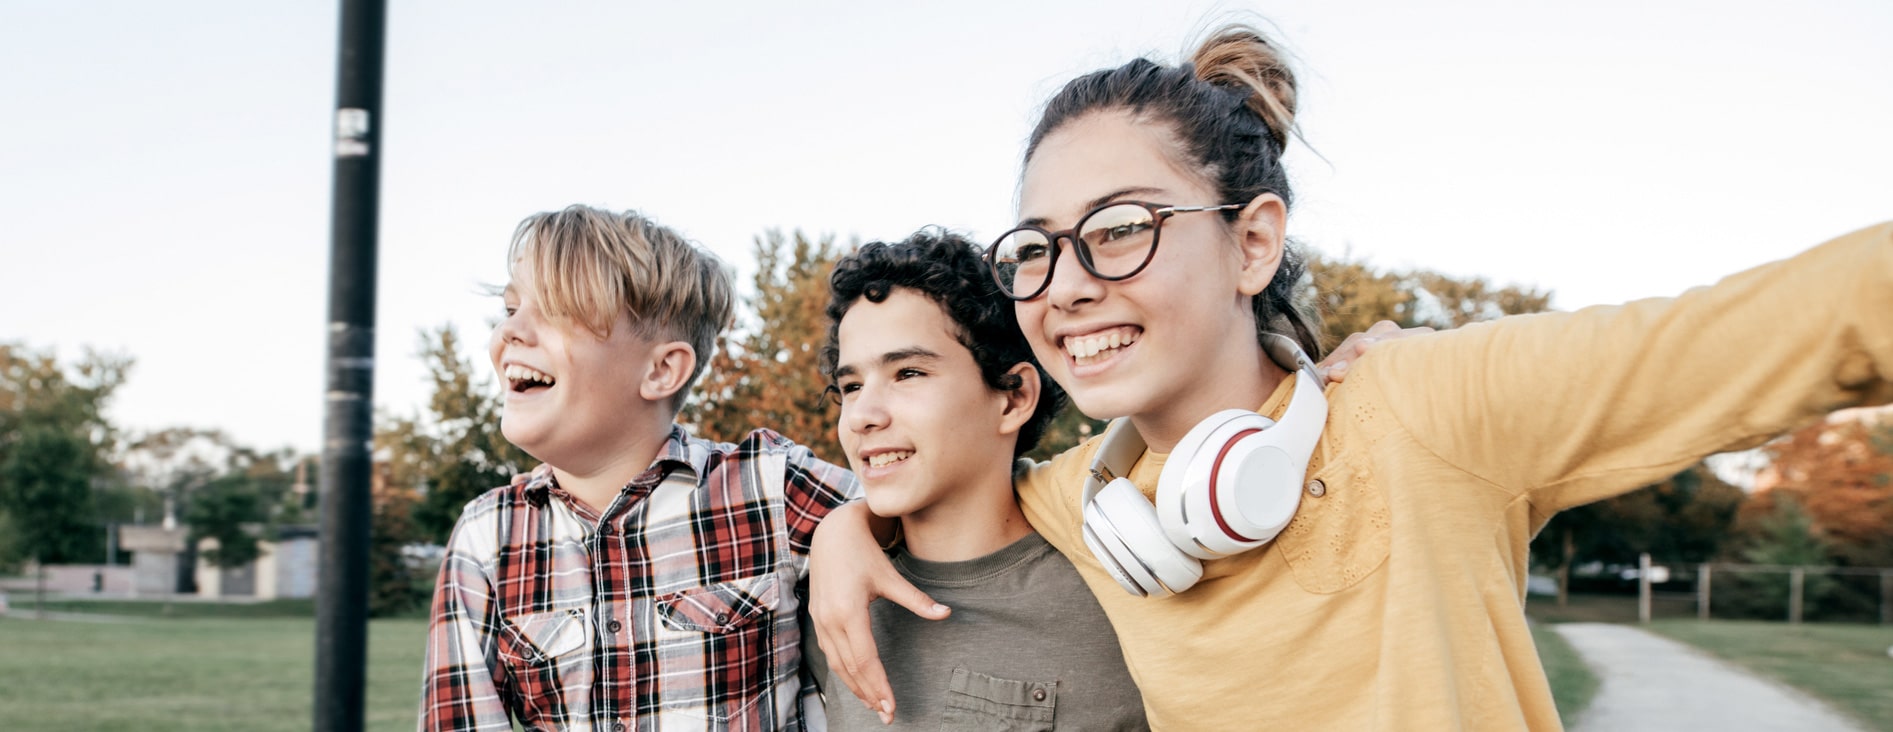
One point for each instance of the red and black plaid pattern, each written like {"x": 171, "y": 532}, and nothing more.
{"x": 673, "y": 610}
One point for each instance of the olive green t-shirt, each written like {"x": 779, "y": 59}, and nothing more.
{"x": 1026, "y": 648}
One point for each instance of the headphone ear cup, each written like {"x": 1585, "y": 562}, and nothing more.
{"x": 1258, "y": 489}
{"x": 1122, "y": 529}
{"x": 1188, "y": 504}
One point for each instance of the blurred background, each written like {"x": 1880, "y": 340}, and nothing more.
{"x": 165, "y": 181}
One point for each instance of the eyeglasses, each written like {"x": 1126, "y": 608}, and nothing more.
{"x": 1114, "y": 242}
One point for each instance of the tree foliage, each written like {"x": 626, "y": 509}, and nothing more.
{"x": 765, "y": 374}
{"x": 1351, "y": 295}
{"x": 453, "y": 452}
{"x": 1686, "y": 518}
{"x": 45, "y": 482}
{"x": 1840, "y": 474}
{"x": 55, "y": 444}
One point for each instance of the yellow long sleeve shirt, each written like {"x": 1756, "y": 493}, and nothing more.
{"x": 1394, "y": 600}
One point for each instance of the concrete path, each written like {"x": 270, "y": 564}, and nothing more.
{"x": 1647, "y": 682}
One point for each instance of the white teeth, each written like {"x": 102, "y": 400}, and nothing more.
{"x": 1083, "y": 348}
{"x": 885, "y": 458}
{"x": 517, "y": 373}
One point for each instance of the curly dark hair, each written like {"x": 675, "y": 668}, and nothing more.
{"x": 949, "y": 269}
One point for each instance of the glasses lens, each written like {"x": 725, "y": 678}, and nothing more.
{"x": 1119, "y": 238}
{"x": 1022, "y": 259}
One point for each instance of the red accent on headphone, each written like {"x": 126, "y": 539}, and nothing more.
{"x": 1214, "y": 472}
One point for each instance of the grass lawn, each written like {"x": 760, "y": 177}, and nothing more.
{"x": 212, "y": 674}
{"x": 250, "y": 667}
{"x": 1846, "y": 665}
{"x": 24, "y": 606}
{"x": 1572, "y": 682}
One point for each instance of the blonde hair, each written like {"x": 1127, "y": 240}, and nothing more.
{"x": 589, "y": 264}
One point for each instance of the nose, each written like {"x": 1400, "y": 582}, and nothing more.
{"x": 864, "y": 411}
{"x": 1072, "y": 285}
{"x": 519, "y": 327}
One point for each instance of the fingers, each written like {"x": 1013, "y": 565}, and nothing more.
{"x": 1384, "y": 328}
{"x": 903, "y": 593}
{"x": 847, "y": 570}
{"x": 1334, "y": 368}
{"x": 861, "y": 666}
{"x": 844, "y": 660}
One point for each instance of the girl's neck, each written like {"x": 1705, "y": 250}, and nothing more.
{"x": 1247, "y": 388}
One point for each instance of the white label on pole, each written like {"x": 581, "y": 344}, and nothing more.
{"x": 351, "y": 132}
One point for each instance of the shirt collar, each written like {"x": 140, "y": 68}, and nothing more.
{"x": 679, "y": 452}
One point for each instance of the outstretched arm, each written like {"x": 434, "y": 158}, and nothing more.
{"x": 1569, "y": 408}
{"x": 847, "y": 571}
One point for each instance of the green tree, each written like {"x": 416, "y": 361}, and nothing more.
{"x": 767, "y": 375}
{"x": 227, "y": 509}
{"x": 1350, "y": 295}
{"x": 46, "y": 483}
{"x": 396, "y": 585}
{"x": 1778, "y": 531}
{"x": 54, "y": 441}
{"x": 1686, "y": 519}
{"x": 454, "y": 451}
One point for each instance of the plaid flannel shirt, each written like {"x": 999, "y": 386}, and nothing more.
{"x": 673, "y": 610}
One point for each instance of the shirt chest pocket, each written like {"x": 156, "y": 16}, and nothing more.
{"x": 723, "y": 634}
{"x": 976, "y": 701}
{"x": 548, "y": 651}
{"x": 1342, "y": 532}
{"x": 723, "y": 607}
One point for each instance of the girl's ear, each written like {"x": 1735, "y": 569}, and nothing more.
{"x": 670, "y": 365}
{"x": 1260, "y": 231}
{"x": 1020, "y": 403}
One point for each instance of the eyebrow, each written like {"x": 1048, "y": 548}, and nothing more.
{"x": 1094, "y": 203}
{"x": 911, "y": 353}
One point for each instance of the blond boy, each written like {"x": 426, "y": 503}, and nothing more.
{"x": 640, "y": 578}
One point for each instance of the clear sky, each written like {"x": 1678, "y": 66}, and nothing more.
{"x": 165, "y": 169}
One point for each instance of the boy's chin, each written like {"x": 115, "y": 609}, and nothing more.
{"x": 889, "y": 506}
{"x": 529, "y": 440}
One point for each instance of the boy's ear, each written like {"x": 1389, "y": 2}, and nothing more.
{"x": 1020, "y": 402}
{"x": 668, "y": 370}
{"x": 1261, "y": 233}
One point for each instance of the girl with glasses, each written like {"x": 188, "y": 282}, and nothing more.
{"x": 1153, "y": 276}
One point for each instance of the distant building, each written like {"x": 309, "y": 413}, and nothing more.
{"x": 157, "y": 561}
{"x": 285, "y": 567}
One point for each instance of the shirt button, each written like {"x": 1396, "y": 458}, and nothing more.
{"x": 1317, "y": 488}
{"x": 722, "y": 618}
{"x": 614, "y": 626}
{"x": 617, "y": 727}
{"x": 1038, "y": 695}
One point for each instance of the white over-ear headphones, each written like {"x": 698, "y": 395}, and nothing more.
{"x": 1230, "y": 485}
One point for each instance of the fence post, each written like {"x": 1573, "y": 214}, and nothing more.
{"x": 1643, "y": 588}
{"x": 1886, "y": 597}
{"x": 1796, "y": 577}
{"x": 1702, "y": 592}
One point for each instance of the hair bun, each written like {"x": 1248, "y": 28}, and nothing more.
{"x": 1241, "y": 57}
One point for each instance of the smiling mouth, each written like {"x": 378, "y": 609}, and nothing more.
{"x": 889, "y": 458}
{"x": 1095, "y": 347}
{"x": 521, "y": 379}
